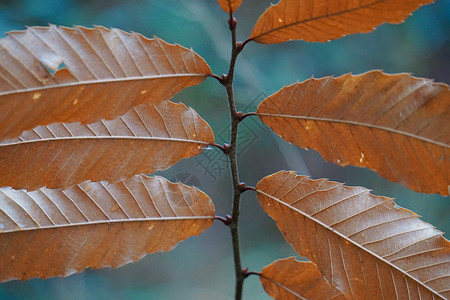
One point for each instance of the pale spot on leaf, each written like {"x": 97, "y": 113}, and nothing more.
{"x": 86, "y": 186}
{"x": 361, "y": 158}
{"x": 114, "y": 208}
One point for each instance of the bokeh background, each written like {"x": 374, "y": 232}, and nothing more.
{"x": 201, "y": 267}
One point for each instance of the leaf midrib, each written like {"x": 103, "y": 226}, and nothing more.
{"x": 334, "y": 231}
{"x": 355, "y": 123}
{"x": 139, "y": 138}
{"x": 101, "y": 222}
{"x": 315, "y": 19}
{"x": 102, "y": 81}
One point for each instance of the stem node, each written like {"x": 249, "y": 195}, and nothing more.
{"x": 226, "y": 148}
{"x": 232, "y": 23}
{"x": 239, "y": 46}
{"x": 226, "y": 220}
{"x": 245, "y": 272}
{"x": 224, "y": 78}
{"x": 241, "y": 186}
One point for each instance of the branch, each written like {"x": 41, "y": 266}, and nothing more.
{"x": 236, "y": 118}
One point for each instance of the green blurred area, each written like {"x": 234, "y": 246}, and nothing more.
{"x": 202, "y": 267}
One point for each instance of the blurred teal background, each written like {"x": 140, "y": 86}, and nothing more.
{"x": 202, "y": 267}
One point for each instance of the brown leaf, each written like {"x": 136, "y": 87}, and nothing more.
{"x": 396, "y": 125}
{"x": 229, "y": 5}
{"x": 364, "y": 245}
{"x": 324, "y": 20}
{"x": 146, "y": 139}
{"x": 58, "y": 74}
{"x": 292, "y": 279}
{"x": 48, "y": 233}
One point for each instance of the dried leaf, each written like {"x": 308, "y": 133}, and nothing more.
{"x": 324, "y": 20}
{"x": 48, "y": 233}
{"x": 364, "y": 245}
{"x": 146, "y": 139}
{"x": 229, "y": 5}
{"x": 58, "y": 74}
{"x": 292, "y": 279}
{"x": 396, "y": 125}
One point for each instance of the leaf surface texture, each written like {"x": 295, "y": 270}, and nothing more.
{"x": 396, "y": 125}
{"x": 324, "y": 20}
{"x": 292, "y": 279}
{"x": 229, "y": 5}
{"x": 46, "y": 233}
{"x": 364, "y": 245}
{"x": 58, "y": 74}
{"x": 146, "y": 139}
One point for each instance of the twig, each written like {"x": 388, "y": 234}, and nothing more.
{"x": 236, "y": 118}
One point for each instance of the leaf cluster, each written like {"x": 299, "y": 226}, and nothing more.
{"x": 84, "y": 115}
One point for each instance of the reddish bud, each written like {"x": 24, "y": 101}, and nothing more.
{"x": 228, "y": 218}
{"x": 242, "y": 187}
{"x": 232, "y": 22}
{"x": 226, "y": 148}
{"x": 245, "y": 272}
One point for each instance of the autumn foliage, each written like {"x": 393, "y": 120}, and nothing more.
{"x": 85, "y": 115}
